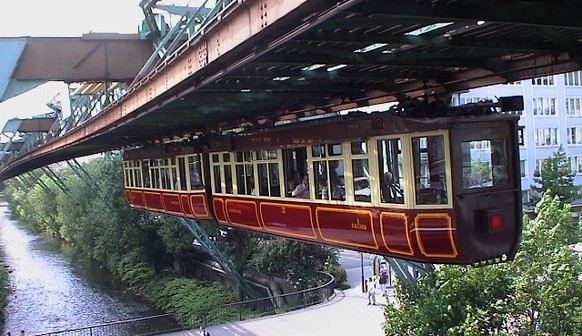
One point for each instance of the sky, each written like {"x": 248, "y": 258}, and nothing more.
{"x": 60, "y": 18}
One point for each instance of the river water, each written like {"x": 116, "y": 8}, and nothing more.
{"x": 52, "y": 289}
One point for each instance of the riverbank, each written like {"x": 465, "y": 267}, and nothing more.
{"x": 3, "y": 288}
{"x": 50, "y": 288}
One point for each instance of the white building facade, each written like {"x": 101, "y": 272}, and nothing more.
{"x": 552, "y": 117}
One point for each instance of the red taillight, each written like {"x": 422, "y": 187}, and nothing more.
{"x": 495, "y": 222}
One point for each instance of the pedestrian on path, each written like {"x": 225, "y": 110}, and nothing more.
{"x": 371, "y": 292}
{"x": 203, "y": 331}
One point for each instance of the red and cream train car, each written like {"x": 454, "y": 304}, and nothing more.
{"x": 440, "y": 190}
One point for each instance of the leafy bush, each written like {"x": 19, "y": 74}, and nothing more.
{"x": 536, "y": 294}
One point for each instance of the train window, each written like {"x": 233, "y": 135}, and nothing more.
{"x": 145, "y": 168}
{"x": 334, "y": 149}
{"x": 245, "y": 179}
{"x": 174, "y": 178}
{"x": 359, "y": 147}
{"x": 268, "y": 173}
{"x": 195, "y": 172}
{"x": 228, "y": 184}
{"x": 217, "y": 179}
{"x": 360, "y": 171}
{"x": 182, "y": 174}
{"x": 221, "y": 172}
{"x": 132, "y": 174}
{"x": 137, "y": 174}
{"x": 329, "y": 173}
{"x": 155, "y": 174}
{"x": 295, "y": 172}
{"x": 318, "y": 151}
{"x": 391, "y": 171}
{"x": 127, "y": 174}
{"x": 320, "y": 179}
{"x": 484, "y": 165}
{"x": 429, "y": 169}
{"x": 165, "y": 167}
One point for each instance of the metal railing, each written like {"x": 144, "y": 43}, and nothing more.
{"x": 153, "y": 325}
{"x": 213, "y": 315}
{"x": 245, "y": 310}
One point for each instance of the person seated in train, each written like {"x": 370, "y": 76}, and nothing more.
{"x": 195, "y": 180}
{"x": 387, "y": 181}
{"x": 322, "y": 189}
{"x": 302, "y": 189}
{"x": 500, "y": 176}
{"x": 337, "y": 185}
{"x": 251, "y": 189}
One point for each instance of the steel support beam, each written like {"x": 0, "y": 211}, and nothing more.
{"x": 205, "y": 241}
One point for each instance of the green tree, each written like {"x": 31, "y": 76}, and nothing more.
{"x": 555, "y": 175}
{"x": 295, "y": 261}
{"x": 482, "y": 169}
{"x": 548, "y": 293}
{"x": 536, "y": 294}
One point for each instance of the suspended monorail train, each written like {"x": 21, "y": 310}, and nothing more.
{"x": 429, "y": 189}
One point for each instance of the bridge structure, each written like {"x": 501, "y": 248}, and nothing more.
{"x": 257, "y": 63}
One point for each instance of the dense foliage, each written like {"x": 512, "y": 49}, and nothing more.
{"x": 555, "y": 178}
{"x": 293, "y": 261}
{"x": 90, "y": 213}
{"x": 3, "y": 288}
{"x": 537, "y": 294}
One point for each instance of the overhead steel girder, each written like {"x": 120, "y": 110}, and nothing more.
{"x": 365, "y": 39}
{"x": 225, "y": 34}
{"x": 540, "y": 13}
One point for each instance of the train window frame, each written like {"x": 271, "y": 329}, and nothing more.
{"x": 220, "y": 163}
{"x": 328, "y": 152}
{"x": 406, "y": 170}
{"x": 146, "y": 174}
{"x": 135, "y": 174}
{"x": 295, "y": 165}
{"x": 166, "y": 169}
{"x": 447, "y": 171}
{"x": 267, "y": 163}
{"x": 154, "y": 174}
{"x": 364, "y": 182}
{"x": 496, "y": 161}
{"x": 181, "y": 163}
{"x": 245, "y": 183}
{"x": 194, "y": 160}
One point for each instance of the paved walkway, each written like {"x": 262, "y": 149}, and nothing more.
{"x": 347, "y": 313}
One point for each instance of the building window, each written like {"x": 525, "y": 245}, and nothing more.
{"x": 574, "y": 78}
{"x": 522, "y": 167}
{"x": 546, "y": 136}
{"x": 576, "y": 164}
{"x": 544, "y": 80}
{"x": 473, "y": 100}
{"x": 525, "y": 196}
{"x": 574, "y": 106}
{"x": 521, "y": 136}
{"x": 539, "y": 165}
{"x": 513, "y": 83}
{"x": 544, "y": 106}
{"x": 574, "y": 135}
